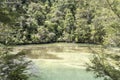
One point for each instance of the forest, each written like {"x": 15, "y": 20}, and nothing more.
{"x": 47, "y": 21}
{"x": 38, "y": 22}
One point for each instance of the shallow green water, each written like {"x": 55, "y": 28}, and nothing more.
{"x": 49, "y": 71}
{"x": 60, "y": 61}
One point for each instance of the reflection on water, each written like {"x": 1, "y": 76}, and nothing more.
{"x": 60, "y": 72}
{"x": 51, "y": 51}
{"x": 60, "y": 61}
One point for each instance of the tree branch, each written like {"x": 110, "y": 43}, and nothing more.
{"x": 113, "y": 9}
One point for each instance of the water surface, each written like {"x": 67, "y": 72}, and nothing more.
{"x": 60, "y": 61}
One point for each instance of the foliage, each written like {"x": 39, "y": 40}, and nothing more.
{"x": 106, "y": 63}
{"x": 42, "y": 21}
{"x": 13, "y": 66}
{"x": 68, "y": 21}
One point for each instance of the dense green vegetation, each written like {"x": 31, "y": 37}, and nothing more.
{"x": 80, "y": 21}
{"x": 106, "y": 62}
{"x": 43, "y": 21}
{"x": 13, "y": 66}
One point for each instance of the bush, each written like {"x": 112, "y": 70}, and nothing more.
{"x": 13, "y": 66}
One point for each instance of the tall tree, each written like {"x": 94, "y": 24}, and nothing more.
{"x": 106, "y": 63}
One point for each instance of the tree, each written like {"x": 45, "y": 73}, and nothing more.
{"x": 13, "y": 66}
{"x": 106, "y": 63}
{"x": 10, "y": 10}
{"x": 69, "y": 26}
{"x": 68, "y": 20}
